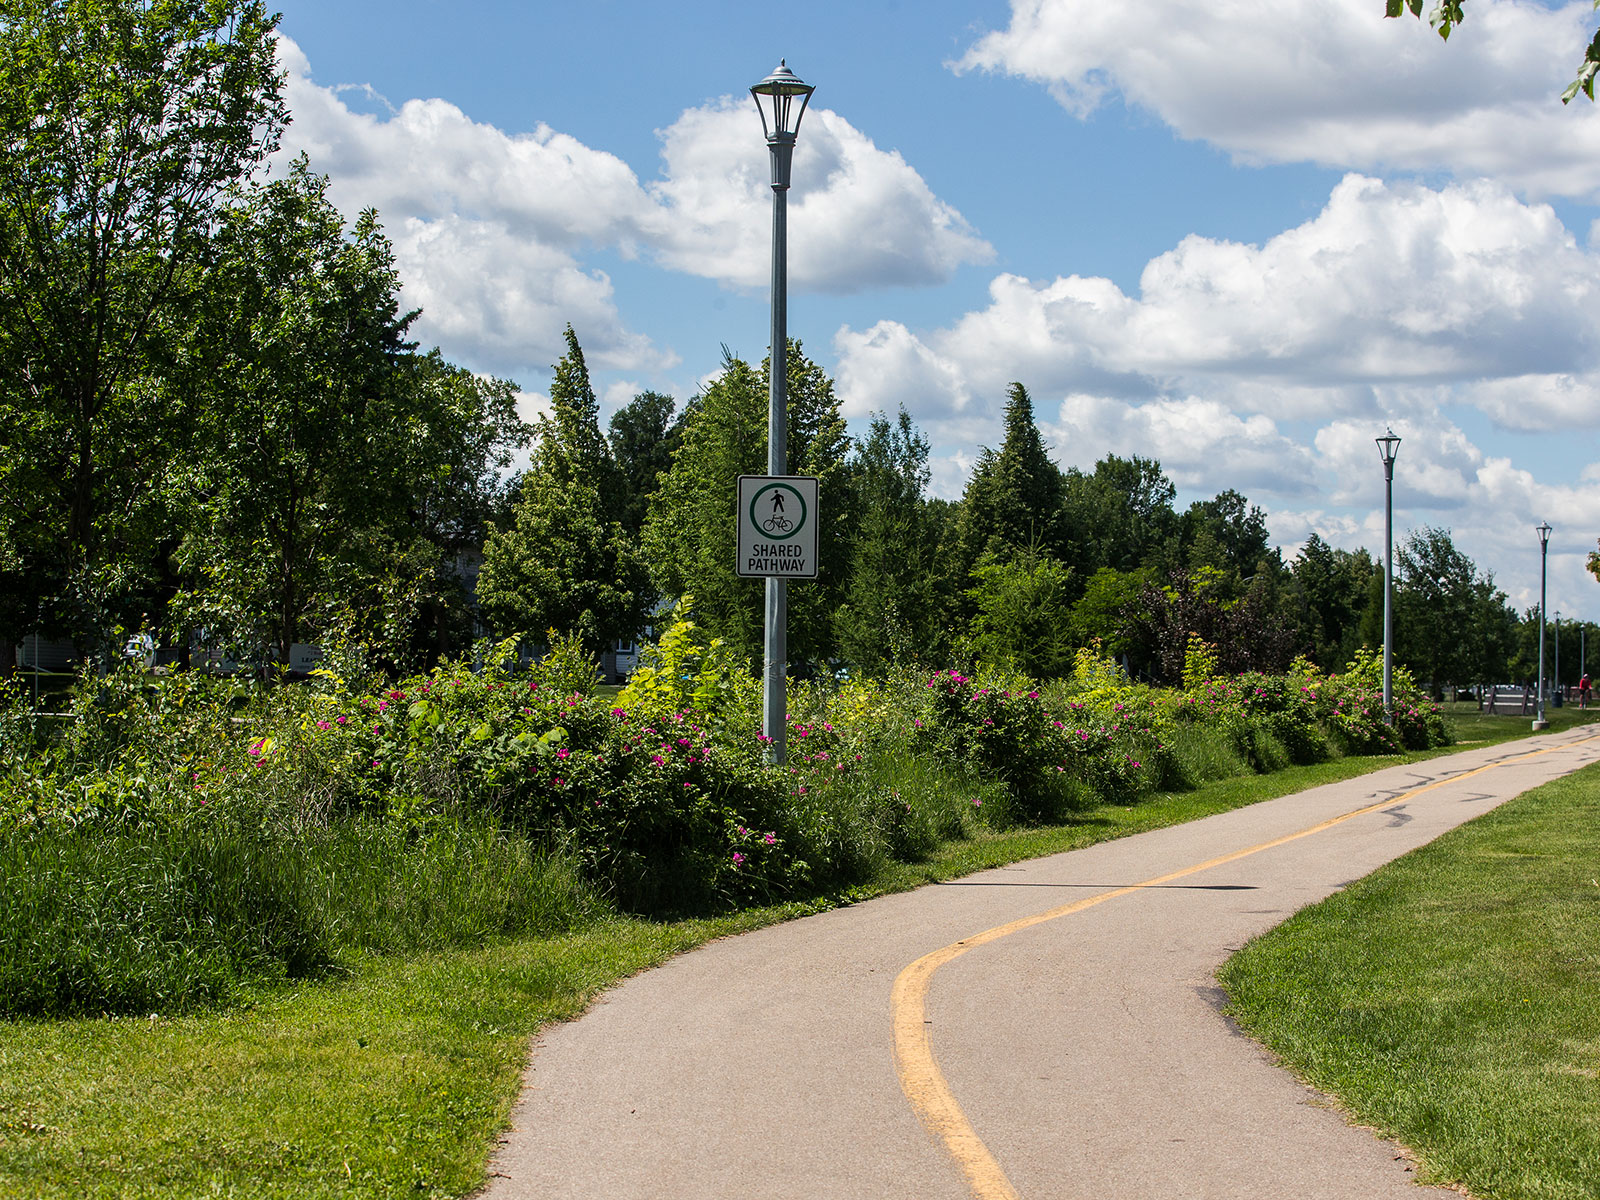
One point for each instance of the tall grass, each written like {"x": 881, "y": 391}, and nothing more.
{"x": 168, "y": 918}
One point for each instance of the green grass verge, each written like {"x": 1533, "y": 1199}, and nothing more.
{"x": 395, "y": 1079}
{"x": 1448, "y": 999}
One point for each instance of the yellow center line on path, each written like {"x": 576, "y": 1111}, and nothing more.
{"x": 922, "y": 1081}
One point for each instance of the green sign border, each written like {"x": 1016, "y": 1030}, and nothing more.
{"x": 778, "y": 537}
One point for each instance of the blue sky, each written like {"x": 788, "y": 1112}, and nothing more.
{"x": 1238, "y": 238}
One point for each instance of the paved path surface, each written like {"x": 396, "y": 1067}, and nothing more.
{"x": 1086, "y": 1051}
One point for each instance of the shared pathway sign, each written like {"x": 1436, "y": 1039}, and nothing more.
{"x": 778, "y": 526}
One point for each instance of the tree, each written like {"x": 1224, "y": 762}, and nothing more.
{"x": 466, "y": 428}
{"x": 322, "y": 437}
{"x": 1333, "y": 586}
{"x": 1024, "y": 613}
{"x": 571, "y": 445}
{"x": 1120, "y": 516}
{"x": 1012, "y": 502}
{"x": 1450, "y": 625}
{"x": 1102, "y": 611}
{"x": 891, "y": 612}
{"x": 566, "y": 562}
{"x": 1447, "y": 14}
{"x": 562, "y": 565}
{"x": 123, "y": 123}
{"x": 644, "y": 437}
{"x": 689, "y": 537}
{"x": 1249, "y": 634}
{"x": 1229, "y": 534}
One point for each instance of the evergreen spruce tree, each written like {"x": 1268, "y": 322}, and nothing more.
{"x": 567, "y": 563}
{"x": 1013, "y": 501}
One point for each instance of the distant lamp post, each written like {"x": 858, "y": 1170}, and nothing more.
{"x": 1544, "y": 553}
{"x": 1556, "y": 687}
{"x": 1389, "y": 447}
{"x": 775, "y": 98}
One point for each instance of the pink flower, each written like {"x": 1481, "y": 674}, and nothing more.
{"x": 323, "y": 725}
{"x": 738, "y": 859}
{"x": 563, "y": 753}
{"x": 769, "y": 839}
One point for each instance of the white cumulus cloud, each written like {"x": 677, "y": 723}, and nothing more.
{"x": 493, "y": 230}
{"x": 1392, "y": 289}
{"x": 1327, "y": 81}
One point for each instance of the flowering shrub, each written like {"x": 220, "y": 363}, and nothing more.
{"x": 684, "y": 670}
{"x": 1352, "y": 707}
{"x": 664, "y": 797}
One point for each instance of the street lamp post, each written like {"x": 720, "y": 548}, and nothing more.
{"x": 780, "y": 121}
{"x": 1389, "y": 447}
{"x": 1556, "y": 687}
{"x": 1544, "y": 552}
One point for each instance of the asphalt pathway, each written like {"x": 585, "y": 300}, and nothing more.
{"x": 1055, "y": 1031}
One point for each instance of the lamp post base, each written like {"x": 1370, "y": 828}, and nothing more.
{"x": 1538, "y": 725}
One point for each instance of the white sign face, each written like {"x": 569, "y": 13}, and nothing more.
{"x": 778, "y": 526}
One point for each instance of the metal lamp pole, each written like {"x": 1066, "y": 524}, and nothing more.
{"x": 1556, "y": 687}
{"x": 1389, "y": 447}
{"x": 1544, "y": 552}
{"x": 780, "y": 121}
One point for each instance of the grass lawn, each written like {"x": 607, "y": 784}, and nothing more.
{"x": 1449, "y": 999}
{"x": 394, "y": 1080}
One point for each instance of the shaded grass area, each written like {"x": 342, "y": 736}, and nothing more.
{"x": 192, "y": 915}
{"x": 1449, "y": 999}
{"x": 394, "y": 1079}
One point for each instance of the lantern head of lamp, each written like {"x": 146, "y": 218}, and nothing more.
{"x": 1544, "y": 532}
{"x": 1388, "y": 446}
{"x": 780, "y": 119}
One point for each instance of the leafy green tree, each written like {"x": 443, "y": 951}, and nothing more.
{"x": 314, "y": 442}
{"x": 690, "y": 537}
{"x": 1120, "y": 516}
{"x": 563, "y": 565}
{"x": 644, "y": 437}
{"x": 1333, "y": 587}
{"x": 571, "y": 446}
{"x": 1013, "y": 500}
{"x": 1229, "y": 534}
{"x": 1102, "y": 611}
{"x": 891, "y": 612}
{"x": 466, "y": 428}
{"x": 1450, "y": 625}
{"x": 123, "y": 123}
{"x": 566, "y": 562}
{"x": 1024, "y": 613}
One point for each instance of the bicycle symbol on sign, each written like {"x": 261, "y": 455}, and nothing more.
{"x": 777, "y": 524}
